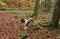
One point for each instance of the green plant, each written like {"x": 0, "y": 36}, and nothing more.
{"x": 45, "y": 31}
{"x": 45, "y": 24}
{"x": 23, "y": 36}
{"x": 50, "y": 26}
{"x": 15, "y": 16}
{"x": 28, "y": 15}
{"x": 47, "y": 34}
{"x": 40, "y": 23}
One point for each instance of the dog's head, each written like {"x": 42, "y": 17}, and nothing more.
{"x": 23, "y": 19}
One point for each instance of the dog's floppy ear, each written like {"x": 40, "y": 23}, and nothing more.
{"x": 22, "y": 20}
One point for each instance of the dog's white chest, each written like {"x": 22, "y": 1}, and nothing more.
{"x": 26, "y": 21}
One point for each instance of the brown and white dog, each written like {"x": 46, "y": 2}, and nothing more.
{"x": 27, "y": 21}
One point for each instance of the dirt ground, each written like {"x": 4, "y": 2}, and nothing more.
{"x": 11, "y": 27}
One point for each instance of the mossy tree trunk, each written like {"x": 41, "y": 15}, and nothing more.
{"x": 56, "y": 15}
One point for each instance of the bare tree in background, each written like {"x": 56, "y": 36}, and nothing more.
{"x": 18, "y": 3}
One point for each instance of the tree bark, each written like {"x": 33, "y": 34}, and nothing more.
{"x": 49, "y": 4}
{"x": 35, "y": 13}
{"x": 56, "y": 14}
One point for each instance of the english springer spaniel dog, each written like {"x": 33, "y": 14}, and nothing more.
{"x": 27, "y": 21}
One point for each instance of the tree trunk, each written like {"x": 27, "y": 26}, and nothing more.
{"x": 49, "y": 4}
{"x": 18, "y": 3}
{"x": 35, "y": 13}
{"x": 55, "y": 16}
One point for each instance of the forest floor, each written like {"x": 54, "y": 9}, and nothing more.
{"x": 11, "y": 27}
